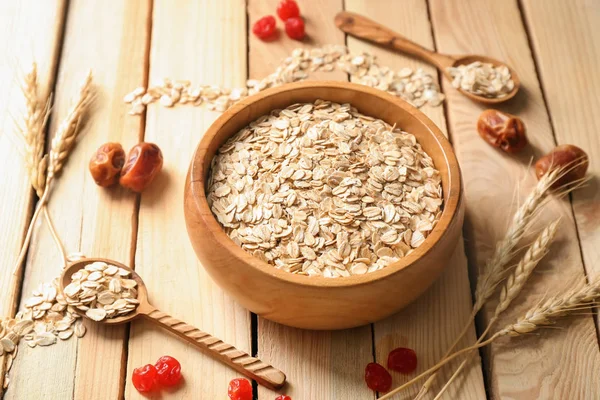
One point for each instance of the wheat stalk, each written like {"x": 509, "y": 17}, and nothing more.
{"x": 65, "y": 136}
{"x": 542, "y": 315}
{"x": 513, "y": 285}
{"x": 61, "y": 145}
{"x": 32, "y": 130}
{"x": 497, "y": 266}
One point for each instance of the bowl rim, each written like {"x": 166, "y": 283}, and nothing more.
{"x": 196, "y": 185}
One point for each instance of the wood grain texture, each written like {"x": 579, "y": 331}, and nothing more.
{"x": 557, "y": 363}
{"x": 35, "y": 37}
{"x": 323, "y": 365}
{"x": 432, "y": 323}
{"x": 89, "y": 219}
{"x": 567, "y": 48}
{"x": 35, "y": 34}
{"x": 204, "y": 42}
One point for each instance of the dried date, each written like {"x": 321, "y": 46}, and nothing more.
{"x": 144, "y": 162}
{"x": 502, "y": 130}
{"x": 105, "y": 165}
{"x": 571, "y": 158}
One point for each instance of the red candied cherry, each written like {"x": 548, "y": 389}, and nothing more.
{"x": 265, "y": 28}
{"x": 287, "y": 9}
{"x": 402, "y": 360}
{"x": 294, "y": 27}
{"x": 168, "y": 371}
{"x": 283, "y": 397}
{"x": 240, "y": 389}
{"x": 378, "y": 378}
{"x": 143, "y": 378}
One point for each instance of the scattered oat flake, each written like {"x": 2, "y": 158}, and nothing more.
{"x": 80, "y": 329}
{"x": 64, "y": 335}
{"x": 415, "y": 86}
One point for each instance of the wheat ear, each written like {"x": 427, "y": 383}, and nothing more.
{"x": 495, "y": 269}
{"x": 497, "y": 266}
{"x": 61, "y": 145}
{"x": 542, "y": 315}
{"x": 32, "y": 130}
{"x": 546, "y": 313}
{"x": 513, "y": 285}
{"x": 65, "y": 136}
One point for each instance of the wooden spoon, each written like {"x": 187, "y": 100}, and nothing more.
{"x": 364, "y": 28}
{"x": 254, "y": 368}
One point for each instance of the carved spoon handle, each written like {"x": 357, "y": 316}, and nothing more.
{"x": 254, "y": 368}
{"x": 364, "y": 28}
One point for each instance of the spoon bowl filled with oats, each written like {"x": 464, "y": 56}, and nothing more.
{"x": 480, "y": 78}
{"x": 323, "y": 205}
{"x": 109, "y": 292}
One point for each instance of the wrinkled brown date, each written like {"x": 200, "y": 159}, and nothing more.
{"x": 144, "y": 162}
{"x": 106, "y": 164}
{"x": 571, "y": 158}
{"x": 502, "y": 130}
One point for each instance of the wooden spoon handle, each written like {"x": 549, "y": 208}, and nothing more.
{"x": 364, "y": 28}
{"x": 254, "y": 368}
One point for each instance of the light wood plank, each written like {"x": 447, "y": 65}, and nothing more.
{"x": 204, "y": 42}
{"x": 557, "y": 363}
{"x": 34, "y": 34}
{"x": 318, "y": 16}
{"x": 323, "y": 365}
{"x": 432, "y": 323}
{"x": 567, "y": 47}
{"x": 111, "y": 39}
{"x": 35, "y": 37}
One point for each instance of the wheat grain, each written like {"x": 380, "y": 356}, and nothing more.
{"x": 65, "y": 136}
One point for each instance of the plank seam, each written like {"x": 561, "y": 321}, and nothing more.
{"x": 138, "y": 197}
{"x": 476, "y": 322}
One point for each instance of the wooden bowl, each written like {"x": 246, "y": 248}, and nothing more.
{"x": 318, "y": 302}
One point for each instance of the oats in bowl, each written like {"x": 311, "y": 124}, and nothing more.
{"x": 320, "y": 189}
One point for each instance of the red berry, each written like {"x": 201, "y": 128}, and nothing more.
{"x": 168, "y": 371}
{"x": 287, "y": 9}
{"x": 143, "y": 378}
{"x": 294, "y": 27}
{"x": 283, "y": 397}
{"x": 240, "y": 389}
{"x": 378, "y": 378}
{"x": 265, "y": 28}
{"x": 402, "y": 360}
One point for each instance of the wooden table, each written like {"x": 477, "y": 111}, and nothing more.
{"x": 553, "y": 44}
